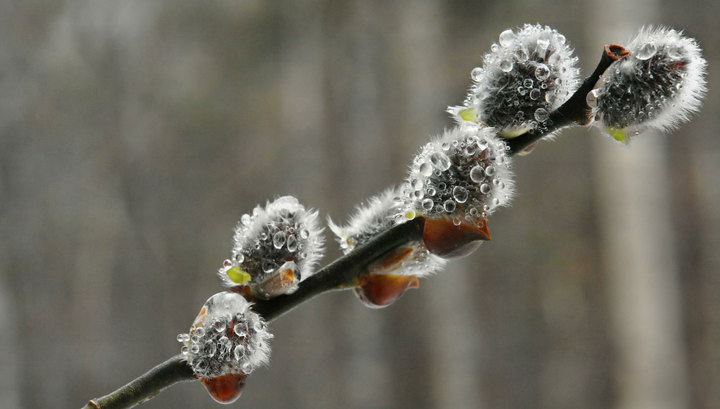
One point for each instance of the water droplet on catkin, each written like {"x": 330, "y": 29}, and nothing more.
{"x": 541, "y": 114}
{"x": 646, "y": 51}
{"x": 506, "y": 65}
{"x": 506, "y": 38}
{"x": 440, "y": 160}
{"x": 460, "y": 194}
{"x": 477, "y": 174}
{"x": 279, "y": 239}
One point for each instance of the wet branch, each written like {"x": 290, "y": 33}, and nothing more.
{"x": 335, "y": 276}
{"x": 341, "y": 273}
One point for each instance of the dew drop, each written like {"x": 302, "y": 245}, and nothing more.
{"x": 279, "y": 239}
{"x": 245, "y": 219}
{"x": 528, "y": 83}
{"x": 541, "y": 114}
{"x": 199, "y": 332}
{"x": 239, "y": 257}
{"x": 427, "y": 204}
{"x": 460, "y": 194}
{"x": 506, "y": 38}
{"x": 425, "y": 169}
{"x": 542, "y": 46}
{"x": 534, "y": 94}
{"x": 542, "y": 72}
{"x": 490, "y": 170}
{"x": 477, "y": 174}
{"x": 674, "y": 52}
{"x": 476, "y": 74}
{"x": 449, "y": 205}
{"x": 224, "y": 344}
{"x": 646, "y": 51}
{"x": 484, "y": 188}
{"x": 239, "y": 352}
{"x": 440, "y": 160}
{"x": 304, "y": 233}
{"x": 506, "y": 65}
{"x": 292, "y": 242}
{"x": 219, "y": 325}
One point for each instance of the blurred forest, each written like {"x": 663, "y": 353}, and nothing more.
{"x": 133, "y": 135}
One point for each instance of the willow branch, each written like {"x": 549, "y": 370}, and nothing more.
{"x": 146, "y": 386}
{"x": 341, "y": 273}
{"x": 336, "y": 275}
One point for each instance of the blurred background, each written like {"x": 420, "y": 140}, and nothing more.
{"x": 134, "y": 134}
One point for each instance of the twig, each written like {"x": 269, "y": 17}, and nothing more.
{"x": 342, "y": 272}
{"x": 146, "y": 386}
{"x": 336, "y": 275}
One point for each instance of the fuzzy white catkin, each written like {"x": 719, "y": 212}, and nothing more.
{"x": 283, "y": 233}
{"x": 464, "y": 175}
{"x": 226, "y": 338}
{"x": 530, "y": 73}
{"x": 377, "y": 215}
{"x": 658, "y": 86}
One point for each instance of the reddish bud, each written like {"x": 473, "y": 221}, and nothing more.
{"x": 381, "y": 290}
{"x": 445, "y": 239}
{"x": 226, "y": 388}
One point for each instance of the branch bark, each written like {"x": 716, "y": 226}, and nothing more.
{"x": 341, "y": 273}
{"x": 146, "y": 386}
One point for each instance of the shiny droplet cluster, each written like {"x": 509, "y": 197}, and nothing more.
{"x": 463, "y": 176}
{"x": 279, "y": 238}
{"x": 658, "y": 86}
{"x": 376, "y": 216}
{"x": 530, "y": 73}
{"x": 227, "y": 337}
